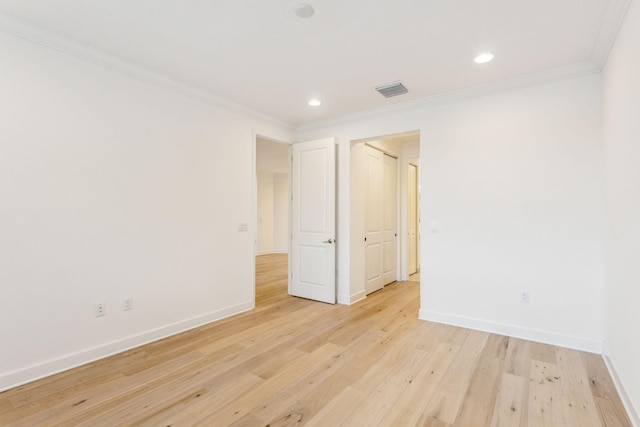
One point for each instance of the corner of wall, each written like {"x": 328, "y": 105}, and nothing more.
{"x": 632, "y": 411}
{"x": 578, "y": 343}
{"x": 352, "y": 299}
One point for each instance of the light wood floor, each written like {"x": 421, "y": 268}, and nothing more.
{"x": 292, "y": 361}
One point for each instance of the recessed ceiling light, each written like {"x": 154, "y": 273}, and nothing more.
{"x": 484, "y": 58}
{"x": 314, "y": 102}
{"x": 303, "y": 10}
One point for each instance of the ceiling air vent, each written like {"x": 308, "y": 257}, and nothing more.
{"x": 392, "y": 89}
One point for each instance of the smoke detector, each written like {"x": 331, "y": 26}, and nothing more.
{"x": 391, "y": 89}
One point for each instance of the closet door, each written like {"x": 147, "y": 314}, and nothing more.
{"x": 373, "y": 241}
{"x": 381, "y": 212}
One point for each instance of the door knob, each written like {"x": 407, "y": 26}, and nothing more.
{"x": 328, "y": 241}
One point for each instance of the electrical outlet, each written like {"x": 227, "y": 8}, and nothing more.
{"x": 524, "y": 297}
{"x": 127, "y": 304}
{"x": 100, "y": 309}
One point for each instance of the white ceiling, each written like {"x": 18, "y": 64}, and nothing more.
{"x": 258, "y": 54}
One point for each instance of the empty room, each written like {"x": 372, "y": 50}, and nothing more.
{"x": 449, "y": 235}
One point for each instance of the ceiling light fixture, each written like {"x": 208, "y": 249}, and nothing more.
{"x": 483, "y": 58}
{"x": 303, "y": 10}
{"x": 314, "y": 103}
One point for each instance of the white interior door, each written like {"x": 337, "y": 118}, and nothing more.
{"x": 313, "y": 249}
{"x": 390, "y": 219}
{"x": 373, "y": 241}
{"x": 413, "y": 218}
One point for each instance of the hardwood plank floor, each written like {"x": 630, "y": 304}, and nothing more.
{"x": 292, "y": 362}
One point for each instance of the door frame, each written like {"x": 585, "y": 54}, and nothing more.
{"x": 413, "y": 163}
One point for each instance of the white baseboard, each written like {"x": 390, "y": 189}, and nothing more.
{"x": 352, "y": 299}
{"x": 275, "y": 251}
{"x": 16, "y": 378}
{"x": 633, "y": 413}
{"x": 591, "y": 346}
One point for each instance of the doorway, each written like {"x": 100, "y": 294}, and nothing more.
{"x": 271, "y": 218}
{"x": 370, "y": 157}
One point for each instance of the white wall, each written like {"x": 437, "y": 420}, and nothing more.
{"x": 273, "y": 213}
{"x": 265, "y": 214}
{"x": 622, "y": 184}
{"x": 515, "y": 182}
{"x": 281, "y": 213}
{"x": 111, "y": 188}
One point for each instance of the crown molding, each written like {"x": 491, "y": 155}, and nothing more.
{"x": 611, "y": 23}
{"x": 567, "y": 72}
{"x": 44, "y": 37}
{"x": 609, "y": 28}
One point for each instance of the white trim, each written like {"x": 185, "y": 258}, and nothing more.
{"x": 608, "y": 31}
{"x": 254, "y": 212}
{"x": 632, "y": 412}
{"x": 271, "y": 252}
{"x": 42, "y": 36}
{"x": 344, "y": 299}
{"x": 527, "y": 80}
{"x": 352, "y": 299}
{"x": 13, "y": 379}
{"x": 592, "y": 346}
{"x": 611, "y": 23}
{"x": 609, "y": 28}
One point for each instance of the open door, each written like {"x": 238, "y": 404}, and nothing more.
{"x": 313, "y": 248}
